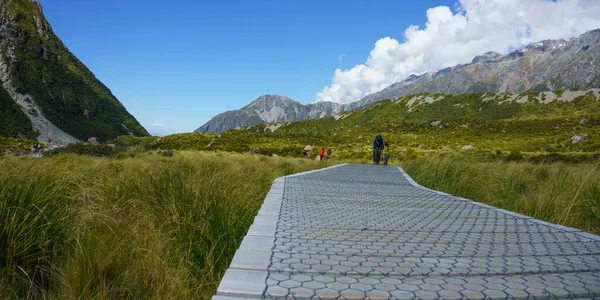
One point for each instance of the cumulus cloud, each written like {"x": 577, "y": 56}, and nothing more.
{"x": 450, "y": 38}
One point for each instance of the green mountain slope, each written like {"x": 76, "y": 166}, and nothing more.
{"x": 495, "y": 124}
{"x": 14, "y": 122}
{"x": 36, "y": 63}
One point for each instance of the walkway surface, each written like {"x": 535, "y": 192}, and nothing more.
{"x": 370, "y": 232}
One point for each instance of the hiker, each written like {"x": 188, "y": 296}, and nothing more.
{"x": 386, "y": 155}
{"x": 321, "y": 153}
{"x": 328, "y": 152}
{"x": 304, "y": 154}
{"x": 377, "y": 149}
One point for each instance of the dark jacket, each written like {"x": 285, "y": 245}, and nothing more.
{"x": 378, "y": 142}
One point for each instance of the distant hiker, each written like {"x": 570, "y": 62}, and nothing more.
{"x": 304, "y": 154}
{"x": 321, "y": 153}
{"x": 386, "y": 155}
{"x": 377, "y": 149}
{"x": 307, "y": 151}
{"x": 328, "y": 152}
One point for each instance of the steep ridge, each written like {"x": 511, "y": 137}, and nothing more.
{"x": 63, "y": 100}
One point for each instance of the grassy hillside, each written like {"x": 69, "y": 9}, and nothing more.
{"x": 70, "y": 96}
{"x": 493, "y": 126}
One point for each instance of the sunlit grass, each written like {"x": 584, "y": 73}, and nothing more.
{"x": 144, "y": 227}
{"x": 562, "y": 193}
{"x": 153, "y": 227}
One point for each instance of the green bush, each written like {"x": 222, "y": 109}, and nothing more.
{"x": 85, "y": 149}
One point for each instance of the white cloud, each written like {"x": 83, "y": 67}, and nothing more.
{"x": 451, "y": 38}
{"x": 158, "y": 125}
{"x": 341, "y": 57}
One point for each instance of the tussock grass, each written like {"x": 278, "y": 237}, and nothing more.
{"x": 154, "y": 227}
{"x": 567, "y": 194}
{"x": 148, "y": 226}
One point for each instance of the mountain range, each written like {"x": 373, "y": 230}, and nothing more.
{"x": 543, "y": 66}
{"x": 45, "y": 91}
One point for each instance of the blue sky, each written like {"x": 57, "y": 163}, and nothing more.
{"x": 178, "y": 63}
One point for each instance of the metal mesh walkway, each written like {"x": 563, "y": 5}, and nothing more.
{"x": 370, "y": 232}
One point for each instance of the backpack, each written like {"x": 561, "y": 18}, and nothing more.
{"x": 378, "y": 142}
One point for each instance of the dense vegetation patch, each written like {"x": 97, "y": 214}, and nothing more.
{"x": 13, "y": 122}
{"x": 74, "y": 226}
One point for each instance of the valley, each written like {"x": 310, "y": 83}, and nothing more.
{"x": 109, "y": 211}
{"x": 531, "y": 125}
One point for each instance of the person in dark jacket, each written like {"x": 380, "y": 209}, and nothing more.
{"x": 377, "y": 149}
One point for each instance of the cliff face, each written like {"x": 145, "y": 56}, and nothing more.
{"x": 59, "y": 95}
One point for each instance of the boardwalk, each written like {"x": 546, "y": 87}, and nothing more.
{"x": 370, "y": 232}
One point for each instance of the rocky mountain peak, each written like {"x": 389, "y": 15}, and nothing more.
{"x": 42, "y": 25}
{"x": 487, "y": 57}
{"x": 412, "y": 77}
{"x": 271, "y": 99}
{"x": 270, "y": 109}
{"x": 592, "y": 36}
{"x": 39, "y": 6}
{"x": 547, "y": 45}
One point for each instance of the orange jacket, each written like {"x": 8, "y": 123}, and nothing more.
{"x": 321, "y": 152}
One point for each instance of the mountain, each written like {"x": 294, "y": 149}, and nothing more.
{"x": 45, "y": 91}
{"x": 544, "y": 66}
{"x": 546, "y": 126}
{"x": 269, "y": 109}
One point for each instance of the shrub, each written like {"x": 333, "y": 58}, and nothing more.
{"x": 514, "y": 156}
{"x": 85, "y": 149}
